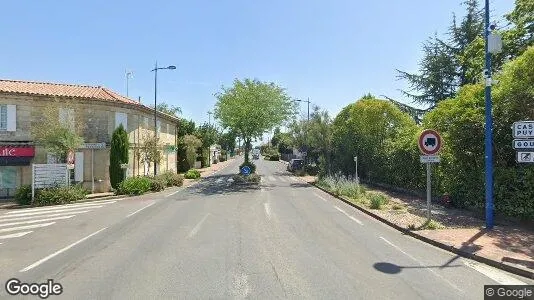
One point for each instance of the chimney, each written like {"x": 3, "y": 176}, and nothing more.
{"x": 139, "y": 99}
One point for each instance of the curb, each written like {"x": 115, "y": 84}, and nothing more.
{"x": 455, "y": 250}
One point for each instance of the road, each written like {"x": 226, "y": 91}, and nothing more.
{"x": 281, "y": 240}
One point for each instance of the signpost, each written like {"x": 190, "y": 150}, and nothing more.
{"x": 356, "y": 162}
{"x": 245, "y": 170}
{"x": 430, "y": 144}
{"x": 93, "y": 147}
{"x": 48, "y": 175}
{"x": 523, "y": 133}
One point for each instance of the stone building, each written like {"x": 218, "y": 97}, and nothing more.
{"x": 98, "y": 110}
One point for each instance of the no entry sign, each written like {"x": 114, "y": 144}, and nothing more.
{"x": 430, "y": 142}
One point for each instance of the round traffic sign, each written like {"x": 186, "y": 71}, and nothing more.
{"x": 245, "y": 170}
{"x": 430, "y": 142}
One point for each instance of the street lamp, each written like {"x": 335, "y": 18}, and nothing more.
{"x": 155, "y": 70}
{"x": 308, "y": 124}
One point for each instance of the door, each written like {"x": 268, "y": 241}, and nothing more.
{"x": 78, "y": 167}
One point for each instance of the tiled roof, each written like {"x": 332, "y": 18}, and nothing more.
{"x": 62, "y": 90}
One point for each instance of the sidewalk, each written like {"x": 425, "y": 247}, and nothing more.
{"x": 204, "y": 172}
{"x": 509, "y": 247}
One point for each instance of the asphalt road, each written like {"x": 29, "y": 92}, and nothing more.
{"x": 281, "y": 240}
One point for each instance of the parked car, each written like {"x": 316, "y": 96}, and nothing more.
{"x": 295, "y": 164}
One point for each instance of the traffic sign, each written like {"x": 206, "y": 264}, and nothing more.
{"x": 523, "y": 144}
{"x": 430, "y": 142}
{"x": 523, "y": 129}
{"x": 525, "y": 157}
{"x": 245, "y": 170}
{"x": 430, "y": 159}
{"x": 93, "y": 146}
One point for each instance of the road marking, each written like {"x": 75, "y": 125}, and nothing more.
{"x": 421, "y": 264}
{"x": 350, "y": 217}
{"x": 172, "y": 193}
{"x": 48, "y": 216}
{"x": 494, "y": 274}
{"x": 140, "y": 210}
{"x": 240, "y": 287}
{"x": 197, "y": 227}
{"x": 47, "y": 212}
{"x": 36, "y": 221}
{"x": 70, "y": 206}
{"x": 272, "y": 179}
{"x": 282, "y": 179}
{"x": 14, "y": 235}
{"x": 316, "y": 195}
{"x": 26, "y": 227}
{"x": 60, "y": 251}
{"x": 267, "y": 210}
{"x": 219, "y": 180}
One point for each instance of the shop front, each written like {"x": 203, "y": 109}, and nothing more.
{"x": 15, "y": 161}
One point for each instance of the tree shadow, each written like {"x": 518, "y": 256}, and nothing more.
{"x": 523, "y": 262}
{"x": 390, "y": 268}
{"x": 219, "y": 184}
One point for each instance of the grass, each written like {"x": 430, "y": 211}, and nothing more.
{"x": 378, "y": 201}
{"x": 429, "y": 225}
{"x": 397, "y": 206}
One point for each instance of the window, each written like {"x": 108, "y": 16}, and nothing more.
{"x": 3, "y": 117}
{"x": 121, "y": 118}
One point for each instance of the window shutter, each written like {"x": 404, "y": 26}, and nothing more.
{"x": 11, "y": 117}
{"x": 121, "y": 118}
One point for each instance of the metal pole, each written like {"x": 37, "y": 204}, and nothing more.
{"x": 428, "y": 189}
{"x": 488, "y": 129}
{"x": 356, "y": 161}
{"x": 127, "y": 79}
{"x": 155, "y": 109}
{"x": 92, "y": 171}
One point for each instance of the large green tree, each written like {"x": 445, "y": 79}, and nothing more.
{"x": 251, "y": 107}
{"x": 118, "y": 155}
{"x": 169, "y": 109}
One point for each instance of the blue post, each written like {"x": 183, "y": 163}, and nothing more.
{"x": 489, "y": 127}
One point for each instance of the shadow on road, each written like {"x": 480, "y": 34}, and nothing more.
{"x": 390, "y": 268}
{"x": 219, "y": 184}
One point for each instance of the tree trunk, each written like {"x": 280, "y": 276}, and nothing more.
{"x": 247, "y": 150}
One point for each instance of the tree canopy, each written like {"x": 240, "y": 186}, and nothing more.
{"x": 251, "y": 107}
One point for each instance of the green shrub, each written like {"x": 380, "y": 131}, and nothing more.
{"x": 192, "y": 174}
{"x": 215, "y": 162}
{"x": 274, "y": 157}
{"x": 172, "y": 179}
{"x": 157, "y": 183}
{"x": 312, "y": 170}
{"x": 252, "y": 178}
{"x": 23, "y": 195}
{"x": 250, "y": 164}
{"x": 59, "y": 195}
{"x": 378, "y": 200}
{"x": 134, "y": 186}
{"x": 118, "y": 154}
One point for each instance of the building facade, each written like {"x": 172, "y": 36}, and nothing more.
{"x": 97, "y": 112}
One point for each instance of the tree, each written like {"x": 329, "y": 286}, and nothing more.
{"x": 168, "y": 109}
{"x": 190, "y": 144}
{"x": 320, "y": 138}
{"x": 276, "y": 137}
{"x": 151, "y": 149}
{"x": 118, "y": 155}
{"x": 521, "y": 36}
{"x": 56, "y": 128}
{"x": 207, "y": 133}
{"x": 186, "y": 127}
{"x": 251, "y": 107}
{"x": 227, "y": 141}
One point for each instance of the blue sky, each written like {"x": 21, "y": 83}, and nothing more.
{"x": 330, "y": 51}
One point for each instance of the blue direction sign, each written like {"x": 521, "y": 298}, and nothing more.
{"x": 245, "y": 170}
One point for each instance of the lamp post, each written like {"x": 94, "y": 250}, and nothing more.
{"x": 155, "y": 70}
{"x": 129, "y": 74}
{"x": 306, "y": 133}
{"x": 209, "y": 128}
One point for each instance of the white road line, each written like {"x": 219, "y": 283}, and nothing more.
{"x": 172, "y": 193}
{"x": 240, "y": 287}
{"x": 316, "y": 195}
{"x": 36, "y": 221}
{"x": 140, "y": 210}
{"x": 219, "y": 180}
{"x": 19, "y": 211}
{"x": 26, "y": 227}
{"x": 494, "y": 274}
{"x": 272, "y": 179}
{"x": 267, "y": 210}
{"x": 350, "y": 217}
{"x": 47, "y": 212}
{"x": 41, "y": 216}
{"x": 14, "y": 235}
{"x": 60, "y": 251}
{"x": 282, "y": 179}
{"x": 197, "y": 227}
{"x": 421, "y": 264}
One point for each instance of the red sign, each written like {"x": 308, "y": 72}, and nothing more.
{"x": 430, "y": 142}
{"x": 14, "y": 151}
{"x": 70, "y": 157}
